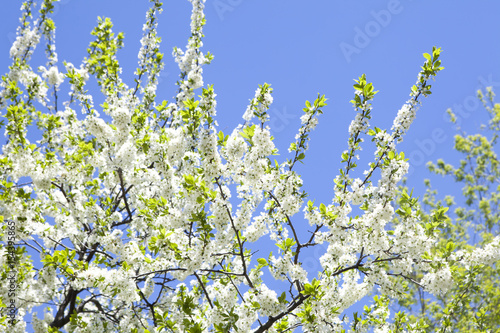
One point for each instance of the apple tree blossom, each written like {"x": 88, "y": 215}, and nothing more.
{"x": 141, "y": 215}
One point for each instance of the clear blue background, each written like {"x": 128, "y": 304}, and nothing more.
{"x": 296, "y": 47}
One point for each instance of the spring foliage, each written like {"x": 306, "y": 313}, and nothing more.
{"x": 139, "y": 215}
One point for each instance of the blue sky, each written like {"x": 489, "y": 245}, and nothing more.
{"x": 303, "y": 48}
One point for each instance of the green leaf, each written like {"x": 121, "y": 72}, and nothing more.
{"x": 322, "y": 208}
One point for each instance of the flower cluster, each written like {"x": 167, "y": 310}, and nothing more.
{"x": 259, "y": 104}
{"x": 146, "y": 217}
{"x": 191, "y": 61}
{"x": 53, "y": 76}
{"x": 25, "y": 43}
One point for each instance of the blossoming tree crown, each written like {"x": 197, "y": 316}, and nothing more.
{"x": 139, "y": 215}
